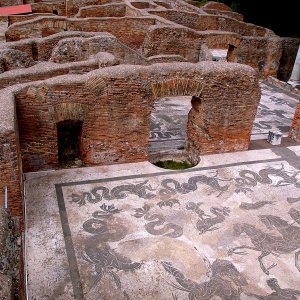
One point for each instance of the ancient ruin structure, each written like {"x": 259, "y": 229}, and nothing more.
{"x": 79, "y": 78}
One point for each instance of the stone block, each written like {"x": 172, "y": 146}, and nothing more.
{"x": 274, "y": 138}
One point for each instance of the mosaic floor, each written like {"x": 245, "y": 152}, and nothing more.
{"x": 275, "y": 112}
{"x": 228, "y": 228}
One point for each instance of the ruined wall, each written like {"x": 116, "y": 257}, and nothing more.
{"x": 21, "y": 18}
{"x": 4, "y": 3}
{"x": 10, "y": 170}
{"x": 224, "y": 13}
{"x": 289, "y": 52}
{"x": 73, "y": 6}
{"x": 100, "y": 11}
{"x": 115, "y": 106}
{"x": 46, "y": 70}
{"x": 262, "y": 54}
{"x": 79, "y": 49}
{"x": 218, "y": 8}
{"x": 9, "y": 255}
{"x": 39, "y": 109}
{"x": 212, "y": 22}
{"x": 39, "y": 27}
{"x": 131, "y": 31}
{"x": 164, "y": 40}
{"x": 42, "y": 48}
{"x": 23, "y": 46}
{"x": 42, "y": 7}
{"x": 14, "y": 59}
{"x": 201, "y": 22}
{"x": 179, "y": 5}
{"x": 10, "y": 164}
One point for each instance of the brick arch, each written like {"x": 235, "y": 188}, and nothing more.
{"x": 234, "y": 41}
{"x": 69, "y": 111}
{"x": 222, "y": 94}
{"x": 177, "y": 87}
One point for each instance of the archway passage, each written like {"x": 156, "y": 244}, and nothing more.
{"x": 68, "y": 142}
{"x": 168, "y": 140}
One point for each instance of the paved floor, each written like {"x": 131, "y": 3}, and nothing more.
{"x": 228, "y": 228}
{"x": 275, "y": 112}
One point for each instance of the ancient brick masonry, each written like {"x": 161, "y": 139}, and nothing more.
{"x": 95, "y": 62}
{"x": 103, "y": 64}
{"x": 295, "y": 127}
{"x": 115, "y": 107}
{"x": 10, "y": 159}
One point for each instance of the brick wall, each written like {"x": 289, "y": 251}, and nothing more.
{"x": 217, "y": 6}
{"x": 73, "y": 6}
{"x": 181, "y": 5}
{"x": 39, "y": 109}
{"x": 10, "y": 171}
{"x": 201, "y": 22}
{"x": 289, "y": 52}
{"x": 10, "y": 2}
{"x": 10, "y": 163}
{"x": 108, "y": 10}
{"x": 212, "y": 22}
{"x": 130, "y": 31}
{"x": 164, "y": 40}
{"x": 295, "y": 127}
{"x": 222, "y": 123}
{"x": 116, "y": 122}
{"x": 229, "y": 14}
{"x": 45, "y": 71}
{"x": 21, "y": 18}
{"x": 262, "y": 54}
{"x": 79, "y": 49}
{"x": 39, "y": 27}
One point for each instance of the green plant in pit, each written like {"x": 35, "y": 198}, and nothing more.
{"x": 173, "y": 165}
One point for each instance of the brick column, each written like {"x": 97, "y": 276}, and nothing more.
{"x": 295, "y": 77}
{"x": 295, "y": 128}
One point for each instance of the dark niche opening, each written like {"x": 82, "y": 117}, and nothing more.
{"x": 68, "y": 142}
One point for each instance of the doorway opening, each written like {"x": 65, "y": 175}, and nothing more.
{"x": 68, "y": 142}
{"x": 168, "y": 140}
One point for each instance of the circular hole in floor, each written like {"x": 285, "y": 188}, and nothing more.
{"x": 174, "y": 165}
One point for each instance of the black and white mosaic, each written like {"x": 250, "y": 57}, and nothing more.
{"x": 134, "y": 237}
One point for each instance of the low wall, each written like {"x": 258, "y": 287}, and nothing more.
{"x": 131, "y": 31}
{"x": 164, "y": 40}
{"x": 115, "y": 106}
{"x": 289, "y": 52}
{"x": 262, "y": 54}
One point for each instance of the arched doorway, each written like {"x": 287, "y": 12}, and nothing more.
{"x": 68, "y": 142}
{"x": 169, "y": 139}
